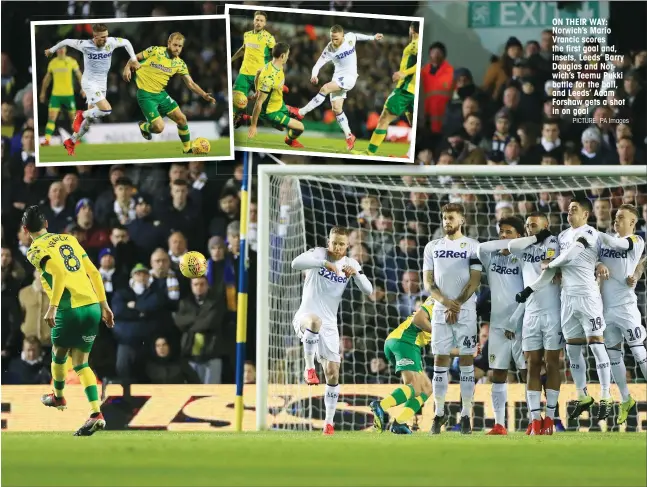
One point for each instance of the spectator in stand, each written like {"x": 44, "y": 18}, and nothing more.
{"x": 602, "y": 213}
{"x": 384, "y": 236}
{"x": 405, "y": 257}
{"x": 411, "y": 292}
{"x": 177, "y": 247}
{"x": 146, "y": 232}
{"x": 511, "y": 99}
{"x": 512, "y": 153}
{"x": 165, "y": 368}
{"x": 201, "y": 319}
{"x": 112, "y": 279}
{"x": 33, "y": 305}
{"x": 96, "y": 238}
{"x": 500, "y": 70}
{"x": 627, "y": 152}
{"x": 353, "y": 361}
{"x": 551, "y": 143}
{"x": 58, "y": 214}
{"x": 592, "y": 152}
{"x": 28, "y": 150}
{"x": 29, "y": 368}
{"x": 229, "y": 211}
{"x": 249, "y": 372}
{"x": 221, "y": 272}
{"x": 437, "y": 88}
{"x": 636, "y": 101}
{"x": 169, "y": 284}
{"x": 123, "y": 209}
{"x": 181, "y": 213}
{"x": 106, "y": 200}
{"x": 379, "y": 372}
{"x": 71, "y": 184}
{"x": 370, "y": 206}
{"x": 123, "y": 250}
{"x": 457, "y": 112}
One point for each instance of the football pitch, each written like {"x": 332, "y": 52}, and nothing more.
{"x": 314, "y": 144}
{"x": 148, "y": 458}
{"x": 129, "y": 151}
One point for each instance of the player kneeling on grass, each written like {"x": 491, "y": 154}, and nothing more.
{"x": 403, "y": 350}
{"x": 328, "y": 271}
{"x": 77, "y": 305}
{"x": 400, "y": 101}
{"x": 269, "y": 105}
{"x": 159, "y": 65}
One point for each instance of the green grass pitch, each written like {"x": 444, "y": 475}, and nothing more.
{"x": 129, "y": 151}
{"x": 313, "y": 144}
{"x": 297, "y": 459}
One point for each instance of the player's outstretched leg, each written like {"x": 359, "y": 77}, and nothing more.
{"x": 619, "y": 371}
{"x": 59, "y": 371}
{"x": 602, "y": 362}
{"x": 310, "y": 327}
{"x": 314, "y": 103}
{"x": 575, "y": 353}
{"x": 88, "y": 380}
{"x": 295, "y": 129}
{"x": 182, "y": 129}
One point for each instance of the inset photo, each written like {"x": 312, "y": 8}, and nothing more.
{"x": 131, "y": 90}
{"x": 331, "y": 84}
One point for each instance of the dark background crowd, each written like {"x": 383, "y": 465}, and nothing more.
{"x": 136, "y": 221}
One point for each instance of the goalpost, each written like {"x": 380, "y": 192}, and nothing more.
{"x": 298, "y": 204}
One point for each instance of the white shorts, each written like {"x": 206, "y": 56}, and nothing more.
{"x": 623, "y": 322}
{"x": 94, "y": 94}
{"x": 462, "y": 334}
{"x": 542, "y": 332}
{"x": 582, "y": 317}
{"x": 329, "y": 346}
{"x": 503, "y": 350}
{"x": 346, "y": 83}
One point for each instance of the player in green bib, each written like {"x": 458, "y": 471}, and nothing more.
{"x": 403, "y": 349}
{"x": 158, "y": 65}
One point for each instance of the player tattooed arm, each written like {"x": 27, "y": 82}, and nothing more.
{"x": 632, "y": 280}
{"x": 193, "y": 86}
{"x": 258, "y": 107}
{"x": 422, "y": 320}
{"x": 471, "y": 286}
{"x": 434, "y": 292}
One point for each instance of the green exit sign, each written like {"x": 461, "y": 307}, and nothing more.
{"x": 524, "y": 14}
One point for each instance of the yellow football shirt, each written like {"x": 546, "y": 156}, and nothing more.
{"x": 410, "y": 333}
{"x": 271, "y": 80}
{"x": 157, "y": 69}
{"x": 258, "y": 51}
{"x": 408, "y": 66}
{"x": 68, "y": 251}
{"x": 62, "y": 70}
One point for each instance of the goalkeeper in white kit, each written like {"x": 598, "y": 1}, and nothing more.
{"x": 97, "y": 59}
{"x": 315, "y": 322}
{"x": 622, "y": 255}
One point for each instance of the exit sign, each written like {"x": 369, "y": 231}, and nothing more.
{"x": 524, "y": 14}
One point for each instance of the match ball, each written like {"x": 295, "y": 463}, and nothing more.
{"x": 193, "y": 264}
{"x": 240, "y": 100}
{"x": 201, "y": 146}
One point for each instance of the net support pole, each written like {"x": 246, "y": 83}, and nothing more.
{"x": 241, "y": 308}
{"x": 262, "y": 299}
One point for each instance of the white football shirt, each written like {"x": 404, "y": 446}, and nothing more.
{"x": 505, "y": 281}
{"x": 96, "y": 60}
{"x": 621, "y": 264}
{"x": 578, "y": 275}
{"x": 344, "y": 58}
{"x": 546, "y": 299}
{"x": 451, "y": 262}
{"x": 323, "y": 289}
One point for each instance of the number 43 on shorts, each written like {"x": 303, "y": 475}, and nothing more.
{"x": 469, "y": 342}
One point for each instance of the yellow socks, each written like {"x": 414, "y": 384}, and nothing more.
{"x": 401, "y": 395}
{"x": 89, "y": 382}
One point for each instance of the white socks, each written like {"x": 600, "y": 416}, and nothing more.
{"x": 310, "y": 343}
{"x": 312, "y": 104}
{"x": 619, "y": 371}
{"x": 96, "y": 113}
{"x": 551, "y": 402}
{"x": 343, "y": 123}
{"x": 640, "y": 354}
{"x": 330, "y": 400}
{"x": 89, "y": 116}
{"x": 534, "y": 404}
{"x": 85, "y": 126}
{"x": 578, "y": 368}
{"x": 440, "y": 384}
{"x": 467, "y": 389}
{"x": 604, "y": 368}
{"x": 499, "y": 398}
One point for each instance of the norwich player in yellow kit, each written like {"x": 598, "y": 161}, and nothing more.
{"x": 269, "y": 105}
{"x": 61, "y": 71}
{"x": 402, "y": 98}
{"x": 403, "y": 350}
{"x": 77, "y": 305}
{"x": 159, "y": 65}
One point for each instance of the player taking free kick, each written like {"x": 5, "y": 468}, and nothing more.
{"x": 97, "y": 58}
{"x": 341, "y": 51}
{"x": 403, "y": 350}
{"x": 269, "y": 105}
{"x": 159, "y": 65}
{"x": 77, "y": 305}
{"x": 328, "y": 271}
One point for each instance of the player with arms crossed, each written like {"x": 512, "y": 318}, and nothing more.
{"x": 61, "y": 70}
{"x": 97, "y": 58}
{"x": 403, "y": 349}
{"x": 581, "y": 308}
{"x": 159, "y": 65}
{"x": 77, "y": 305}
{"x": 504, "y": 344}
{"x": 328, "y": 273}
{"x": 541, "y": 330}
{"x": 341, "y": 51}
{"x": 269, "y": 105}
{"x": 400, "y": 101}
{"x": 452, "y": 274}
{"x": 622, "y": 255}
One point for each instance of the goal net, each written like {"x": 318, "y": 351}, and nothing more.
{"x": 393, "y": 213}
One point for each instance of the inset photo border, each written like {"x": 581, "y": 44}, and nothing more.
{"x": 152, "y": 110}
{"x": 374, "y": 116}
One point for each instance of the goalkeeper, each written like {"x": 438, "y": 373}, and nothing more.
{"x": 159, "y": 65}
{"x": 403, "y": 349}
